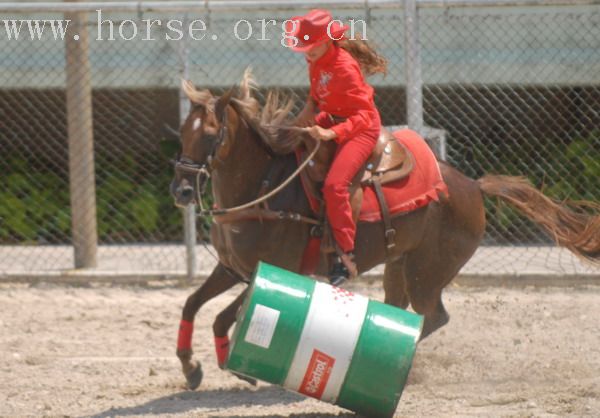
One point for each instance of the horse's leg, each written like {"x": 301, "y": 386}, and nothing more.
{"x": 223, "y": 322}
{"x": 432, "y": 266}
{"x": 425, "y": 280}
{"x": 394, "y": 283}
{"x": 453, "y": 230}
{"x": 219, "y": 281}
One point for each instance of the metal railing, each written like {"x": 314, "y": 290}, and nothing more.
{"x": 513, "y": 85}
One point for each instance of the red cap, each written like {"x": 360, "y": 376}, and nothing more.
{"x": 312, "y": 29}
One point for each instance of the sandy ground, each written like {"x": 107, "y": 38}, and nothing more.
{"x": 109, "y": 351}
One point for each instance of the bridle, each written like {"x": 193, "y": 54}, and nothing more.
{"x": 202, "y": 173}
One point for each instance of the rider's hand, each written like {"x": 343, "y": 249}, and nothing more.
{"x": 323, "y": 134}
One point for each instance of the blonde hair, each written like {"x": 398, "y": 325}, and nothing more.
{"x": 371, "y": 61}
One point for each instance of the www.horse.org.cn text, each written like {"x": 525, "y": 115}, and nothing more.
{"x": 149, "y": 29}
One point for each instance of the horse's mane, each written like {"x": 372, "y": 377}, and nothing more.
{"x": 270, "y": 120}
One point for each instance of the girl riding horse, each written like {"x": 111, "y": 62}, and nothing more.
{"x": 347, "y": 115}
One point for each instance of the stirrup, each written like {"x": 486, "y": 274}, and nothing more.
{"x": 343, "y": 269}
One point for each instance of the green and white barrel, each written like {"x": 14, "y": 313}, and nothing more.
{"x": 324, "y": 342}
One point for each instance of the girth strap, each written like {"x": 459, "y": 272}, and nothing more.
{"x": 257, "y": 213}
{"x": 390, "y": 232}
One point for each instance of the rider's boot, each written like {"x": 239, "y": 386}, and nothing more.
{"x": 342, "y": 269}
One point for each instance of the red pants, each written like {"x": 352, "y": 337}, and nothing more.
{"x": 350, "y": 157}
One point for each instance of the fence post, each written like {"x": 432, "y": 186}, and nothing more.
{"x": 189, "y": 212}
{"x": 412, "y": 65}
{"x": 82, "y": 185}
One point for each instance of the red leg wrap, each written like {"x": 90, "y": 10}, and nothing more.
{"x": 186, "y": 329}
{"x": 222, "y": 347}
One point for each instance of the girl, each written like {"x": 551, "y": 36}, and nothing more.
{"x": 347, "y": 115}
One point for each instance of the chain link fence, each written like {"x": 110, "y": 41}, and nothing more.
{"x": 516, "y": 90}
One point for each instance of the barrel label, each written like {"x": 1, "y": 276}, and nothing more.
{"x": 262, "y": 326}
{"x": 332, "y": 326}
{"x": 317, "y": 374}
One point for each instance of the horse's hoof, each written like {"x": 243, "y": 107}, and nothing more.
{"x": 195, "y": 377}
{"x": 245, "y": 378}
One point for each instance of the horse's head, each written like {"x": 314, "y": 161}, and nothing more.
{"x": 214, "y": 125}
{"x": 205, "y": 142}
{"x": 211, "y": 128}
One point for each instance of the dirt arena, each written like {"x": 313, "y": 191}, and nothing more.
{"x": 109, "y": 351}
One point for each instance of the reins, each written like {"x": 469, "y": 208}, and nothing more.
{"x": 252, "y": 204}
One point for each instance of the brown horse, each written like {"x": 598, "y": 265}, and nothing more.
{"x": 226, "y": 138}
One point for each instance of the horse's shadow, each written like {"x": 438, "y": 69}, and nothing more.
{"x": 213, "y": 400}
{"x": 309, "y": 415}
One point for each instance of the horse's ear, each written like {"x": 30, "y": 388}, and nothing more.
{"x": 222, "y": 103}
{"x": 199, "y": 97}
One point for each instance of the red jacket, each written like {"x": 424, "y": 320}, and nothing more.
{"x": 339, "y": 88}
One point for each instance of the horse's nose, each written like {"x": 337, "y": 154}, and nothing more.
{"x": 183, "y": 193}
{"x": 186, "y": 192}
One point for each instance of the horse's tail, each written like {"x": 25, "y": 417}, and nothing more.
{"x": 570, "y": 223}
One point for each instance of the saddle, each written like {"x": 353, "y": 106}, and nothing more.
{"x": 390, "y": 161}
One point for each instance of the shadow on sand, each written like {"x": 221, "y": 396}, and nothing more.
{"x": 311, "y": 415}
{"x": 215, "y": 399}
